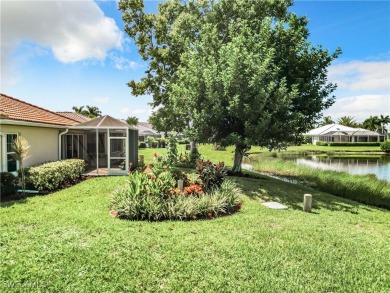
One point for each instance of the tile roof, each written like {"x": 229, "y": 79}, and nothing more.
{"x": 75, "y": 116}
{"x": 14, "y": 109}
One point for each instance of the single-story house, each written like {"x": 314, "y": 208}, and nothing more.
{"x": 341, "y": 133}
{"x": 107, "y": 145}
{"x": 145, "y": 130}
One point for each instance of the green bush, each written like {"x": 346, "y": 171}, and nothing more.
{"x": 385, "y": 146}
{"x": 161, "y": 142}
{"x": 50, "y": 176}
{"x": 154, "y": 198}
{"x": 183, "y": 141}
{"x": 321, "y": 143}
{"x": 7, "y": 184}
{"x": 353, "y": 143}
{"x": 142, "y": 145}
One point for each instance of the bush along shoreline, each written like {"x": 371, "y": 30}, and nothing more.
{"x": 153, "y": 194}
{"x": 367, "y": 189}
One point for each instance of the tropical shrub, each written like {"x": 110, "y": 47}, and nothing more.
{"x": 142, "y": 145}
{"x": 321, "y": 143}
{"x": 212, "y": 175}
{"x": 153, "y": 195}
{"x": 50, "y": 176}
{"x": 385, "y": 146}
{"x": 7, "y": 184}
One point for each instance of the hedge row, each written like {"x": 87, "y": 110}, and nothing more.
{"x": 50, "y": 176}
{"x": 322, "y": 143}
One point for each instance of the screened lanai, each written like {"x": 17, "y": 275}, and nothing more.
{"x": 107, "y": 145}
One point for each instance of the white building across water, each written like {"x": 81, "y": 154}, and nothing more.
{"x": 341, "y": 133}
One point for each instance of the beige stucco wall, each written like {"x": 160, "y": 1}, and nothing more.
{"x": 43, "y": 142}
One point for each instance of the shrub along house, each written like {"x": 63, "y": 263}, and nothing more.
{"x": 341, "y": 133}
{"x": 106, "y": 144}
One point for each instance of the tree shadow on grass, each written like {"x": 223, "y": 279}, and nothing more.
{"x": 265, "y": 189}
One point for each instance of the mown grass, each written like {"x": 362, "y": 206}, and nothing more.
{"x": 67, "y": 242}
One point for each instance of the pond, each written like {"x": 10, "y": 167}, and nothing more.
{"x": 364, "y": 164}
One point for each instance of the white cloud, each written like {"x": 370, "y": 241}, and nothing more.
{"x": 122, "y": 63}
{"x": 361, "y": 75}
{"x": 134, "y": 112}
{"x": 360, "y": 107}
{"x": 101, "y": 100}
{"x": 73, "y": 30}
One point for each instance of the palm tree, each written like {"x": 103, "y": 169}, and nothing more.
{"x": 347, "y": 121}
{"x": 79, "y": 110}
{"x": 326, "y": 121}
{"x": 93, "y": 112}
{"x": 20, "y": 148}
{"x": 384, "y": 120}
{"x": 372, "y": 123}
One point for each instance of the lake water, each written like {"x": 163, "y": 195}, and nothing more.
{"x": 378, "y": 165}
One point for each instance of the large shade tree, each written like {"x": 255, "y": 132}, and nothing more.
{"x": 231, "y": 72}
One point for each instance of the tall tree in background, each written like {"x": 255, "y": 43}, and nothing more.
{"x": 91, "y": 111}
{"x": 232, "y": 72}
{"x": 347, "y": 121}
{"x": 132, "y": 120}
{"x": 326, "y": 121}
{"x": 384, "y": 121}
{"x": 372, "y": 123}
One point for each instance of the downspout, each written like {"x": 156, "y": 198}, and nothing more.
{"x": 3, "y": 147}
{"x": 59, "y": 143}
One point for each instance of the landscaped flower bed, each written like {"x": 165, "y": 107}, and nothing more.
{"x": 154, "y": 194}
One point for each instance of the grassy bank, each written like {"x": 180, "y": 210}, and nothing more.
{"x": 226, "y": 156}
{"x": 67, "y": 242}
{"x": 362, "y": 188}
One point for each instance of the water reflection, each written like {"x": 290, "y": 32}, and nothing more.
{"x": 377, "y": 165}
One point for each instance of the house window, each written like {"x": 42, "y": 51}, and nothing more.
{"x": 12, "y": 165}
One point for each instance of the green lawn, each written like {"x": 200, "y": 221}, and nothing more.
{"x": 67, "y": 242}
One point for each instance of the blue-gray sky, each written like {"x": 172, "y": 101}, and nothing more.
{"x": 59, "y": 54}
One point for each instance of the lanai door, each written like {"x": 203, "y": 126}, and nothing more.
{"x": 117, "y": 160}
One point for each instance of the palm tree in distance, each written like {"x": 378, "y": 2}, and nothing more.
{"x": 384, "y": 120}
{"x": 347, "y": 121}
{"x": 91, "y": 111}
{"x": 372, "y": 123}
{"x": 326, "y": 120}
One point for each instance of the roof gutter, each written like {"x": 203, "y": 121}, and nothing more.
{"x": 27, "y": 123}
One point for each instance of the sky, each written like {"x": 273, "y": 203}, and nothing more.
{"x": 60, "y": 54}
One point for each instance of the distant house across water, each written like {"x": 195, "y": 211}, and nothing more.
{"x": 341, "y": 133}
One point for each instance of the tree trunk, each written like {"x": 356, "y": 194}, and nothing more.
{"x": 238, "y": 156}
{"x": 193, "y": 145}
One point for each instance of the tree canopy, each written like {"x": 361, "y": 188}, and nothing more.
{"x": 132, "y": 120}
{"x": 91, "y": 111}
{"x": 232, "y": 72}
